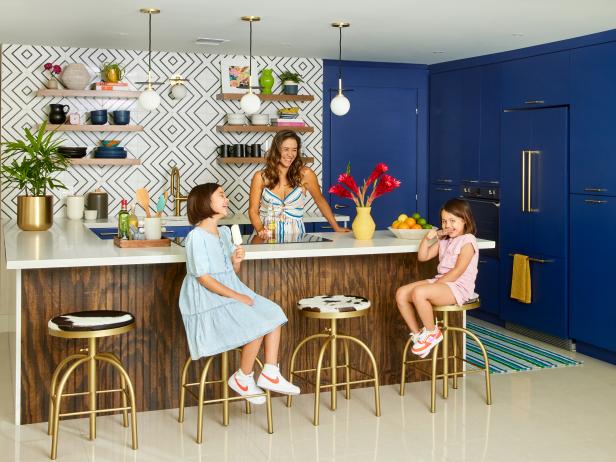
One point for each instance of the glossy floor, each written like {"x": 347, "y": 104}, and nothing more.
{"x": 566, "y": 414}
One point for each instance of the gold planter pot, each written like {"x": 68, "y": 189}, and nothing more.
{"x": 34, "y": 213}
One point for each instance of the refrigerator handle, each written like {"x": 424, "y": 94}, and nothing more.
{"x": 530, "y": 179}
{"x": 523, "y": 180}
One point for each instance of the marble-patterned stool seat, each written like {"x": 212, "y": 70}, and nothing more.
{"x": 333, "y": 303}
{"x": 85, "y": 321}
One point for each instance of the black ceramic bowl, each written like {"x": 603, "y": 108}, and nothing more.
{"x": 121, "y": 117}
{"x": 72, "y": 152}
{"x": 98, "y": 117}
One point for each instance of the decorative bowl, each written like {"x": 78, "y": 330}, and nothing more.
{"x": 413, "y": 234}
{"x": 110, "y": 143}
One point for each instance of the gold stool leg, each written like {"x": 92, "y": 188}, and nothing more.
{"x": 445, "y": 355}
{"x": 114, "y": 357}
{"x": 224, "y": 372}
{"x": 270, "y": 420}
{"x": 183, "y": 389}
{"x": 294, "y": 355}
{"x": 433, "y": 380}
{"x": 317, "y": 386}
{"x": 56, "y": 407}
{"x": 52, "y": 387}
{"x": 201, "y": 397}
{"x": 347, "y": 369}
{"x": 403, "y": 373}
{"x": 377, "y": 394}
{"x": 333, "y": 362}
{"x": 486, "y": 362}
{"x": 455, "y": 359}
{"x": 92, "y": 385}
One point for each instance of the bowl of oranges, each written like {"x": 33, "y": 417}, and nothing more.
{"x": 410, "y": 227}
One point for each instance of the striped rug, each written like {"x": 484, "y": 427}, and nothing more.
{"x": 508, "y": 354}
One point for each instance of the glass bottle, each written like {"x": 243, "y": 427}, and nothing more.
{"x": 123, "y": 221}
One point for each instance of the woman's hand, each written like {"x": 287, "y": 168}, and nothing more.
{"x": 339, "y": 229}
{"x": 238, "y": 255}
{"x": 245, "y": 299}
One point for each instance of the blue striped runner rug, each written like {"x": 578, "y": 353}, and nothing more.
{"x": 508, "y": 354}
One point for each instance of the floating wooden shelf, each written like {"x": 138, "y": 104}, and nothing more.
{"x": 94, "y": 128}
{"x": 95, "y": 161}
{"x": 272, "y": 97}
{"x": 90, "y": 93}
{"x": 253, "y": 160}
{"x": 261, "y": 128}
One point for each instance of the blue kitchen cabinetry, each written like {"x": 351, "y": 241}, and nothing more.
{"x": 593, "y": 225}
{"x": 487, "y": 284}
{"x": 439, "y": 194}
{"x": 489, "y": 133}
{"x": 593, "y": 113}
{"x": 536, "y": 81}
{"x": 534, "y": 218}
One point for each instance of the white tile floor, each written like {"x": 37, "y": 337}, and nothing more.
{"x": 566, "y": 414}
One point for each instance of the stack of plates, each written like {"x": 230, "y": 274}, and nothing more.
{"x": 72, "y": 152}
{"x": 116, "y": 152}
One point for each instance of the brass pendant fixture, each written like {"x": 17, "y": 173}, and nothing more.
{"x": 149, "y": 99}
{"x": 340, "y": 104}
{"x": 250, "y": 102}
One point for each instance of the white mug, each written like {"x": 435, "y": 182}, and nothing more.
{"x": 74, "y": 207}
{"x": 152, "y": 228}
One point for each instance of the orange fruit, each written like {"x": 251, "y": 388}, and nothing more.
{"x": 404, "y": 225}
{"x": 410, "y": 222}
{"x": 416, "y": 226}
{"x": 395, "y": 224}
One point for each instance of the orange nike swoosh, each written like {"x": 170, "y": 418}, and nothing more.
{"x": 270, "y": 379}
{"x": 242, "y": 387}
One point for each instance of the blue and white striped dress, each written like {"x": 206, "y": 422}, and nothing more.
{"x": 289, "y": 212}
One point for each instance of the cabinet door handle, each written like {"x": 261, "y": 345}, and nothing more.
{"x": 338, "y": 206}
{"x": 595, "y": 189}
{"x": 483, "y": 261}
{"x": 443, "y": 189}
{"x": 536, "y": 260}
{"x": 494, "y": 182}
{"x": 594, "y": 201}
{"x": 535, "y": 101}
{"x": 471, "y": 181}
{"x": 327, "y": 227}
{"x": 530, "y": 179}
{"x": 523, "y": 181}
{"x": 444, "y": 180}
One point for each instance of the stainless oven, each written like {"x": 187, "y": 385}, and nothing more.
{"x": 485, "y": 204}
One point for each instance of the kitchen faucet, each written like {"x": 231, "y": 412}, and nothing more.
{"x": 176, "y": 192}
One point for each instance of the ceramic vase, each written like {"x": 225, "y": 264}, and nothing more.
{"x": 75, "y": 76}
{"x": 363, "y": 225}
{"x": 266, "y": 81}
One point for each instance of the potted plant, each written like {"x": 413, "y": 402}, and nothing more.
{"x": 112, "y": 72}
{"x": 32, "y": 164}
{"x": 290, "y": 82}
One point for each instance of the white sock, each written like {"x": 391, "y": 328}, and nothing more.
{"x": 241, "y": 374}
{"x": 270, "y": 369}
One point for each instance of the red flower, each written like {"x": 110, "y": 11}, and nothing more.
{"x": 340, "y": 191}
{"x": 57, "y": 69}
{"x": 376, "y": 173}
{"x": 386, "y": 184}
{"x": 349, "y": 182}
{"x": 48, "y": 66}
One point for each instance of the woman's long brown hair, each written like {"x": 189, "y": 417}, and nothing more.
{"x": 270, "y": 172}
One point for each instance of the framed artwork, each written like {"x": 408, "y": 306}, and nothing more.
{"x": 235, "y": 74}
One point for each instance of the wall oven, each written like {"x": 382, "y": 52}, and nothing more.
{"x": 485, "y": 204}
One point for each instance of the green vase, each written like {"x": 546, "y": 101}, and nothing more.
{"x": 266, "y": 81}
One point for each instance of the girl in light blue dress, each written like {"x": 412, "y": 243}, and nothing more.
{"x": 220, "y": 312}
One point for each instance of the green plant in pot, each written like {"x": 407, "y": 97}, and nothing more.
{"x": 31, "y": 165}
{"x": 290, "y": 82}
{"x": 112, "y": 72}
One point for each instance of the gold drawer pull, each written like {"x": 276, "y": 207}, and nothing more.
{"x": 535, "y": 101}
{"x": 594, "y": 201}
{"x": 536, "y": 260}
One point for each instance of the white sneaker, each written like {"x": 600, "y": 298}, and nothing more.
{"x": 245, "y": 385}
{"x": 271, "y": 379}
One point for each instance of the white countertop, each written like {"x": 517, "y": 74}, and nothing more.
{"x": 70, "y": 244}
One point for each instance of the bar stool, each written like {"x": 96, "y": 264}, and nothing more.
{"x": 333, "y": 308}
{"x": 90, "y": 325}
{"x": 200, "y": 397}
{"x": 445, "y": 328}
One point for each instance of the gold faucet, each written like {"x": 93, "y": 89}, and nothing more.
{"x": 176, "y": 191}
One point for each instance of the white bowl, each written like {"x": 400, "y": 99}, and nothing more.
{"x": 414, "y": 234}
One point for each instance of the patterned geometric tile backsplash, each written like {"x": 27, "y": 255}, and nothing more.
{"x": 179, "y": 133}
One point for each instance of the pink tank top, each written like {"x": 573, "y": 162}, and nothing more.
{"x": 448, "y": 252}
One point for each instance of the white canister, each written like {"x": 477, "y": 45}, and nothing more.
{"x": 74, "y": 207}
{"x": 152, "y": 228}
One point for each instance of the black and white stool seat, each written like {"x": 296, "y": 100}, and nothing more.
{"x": 333, "y": 303}
{"x": 85, "y": 321}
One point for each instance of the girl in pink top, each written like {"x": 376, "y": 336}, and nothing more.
{"x": 455, "y": 282}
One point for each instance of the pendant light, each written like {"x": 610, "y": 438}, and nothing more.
{"x": 340, "y": 105}
{"x": 250, "y": 102}
{"x": 149, "y": 99}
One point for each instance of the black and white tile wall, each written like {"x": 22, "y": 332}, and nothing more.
{"x": 179, "y": 133}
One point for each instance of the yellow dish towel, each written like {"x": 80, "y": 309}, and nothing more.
{"x": 520, "y": 279}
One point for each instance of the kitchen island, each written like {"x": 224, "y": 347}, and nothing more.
{"x": 68, "y": 268}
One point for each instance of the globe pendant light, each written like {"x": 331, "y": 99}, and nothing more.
{"x": 149, "y": 99}
{"x": 340, "y": 105}
{"x": 250, "y": 102}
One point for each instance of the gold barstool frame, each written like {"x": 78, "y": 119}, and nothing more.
{"x": 57, "y": 387}
{"x": 331, "y": 339}
{"x": 200, "y": 397}
{"x": 445, "y": 327}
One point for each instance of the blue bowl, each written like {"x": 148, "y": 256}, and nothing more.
{"x": 121, "y": 117}
{"x": 98, "y": 117}
{"x": 111, "y": 150}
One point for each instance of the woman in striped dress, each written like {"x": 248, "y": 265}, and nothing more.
{"x": 280, "y": 190}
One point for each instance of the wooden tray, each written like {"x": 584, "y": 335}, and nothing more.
{"x": 126, "y": 244}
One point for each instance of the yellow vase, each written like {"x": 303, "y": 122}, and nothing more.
{"x": 363, "y": 224}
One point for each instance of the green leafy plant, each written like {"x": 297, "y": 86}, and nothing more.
{"x": 290, "y": 76}
{"x": 112, "y": 72}
{"x": 32, "y": 163}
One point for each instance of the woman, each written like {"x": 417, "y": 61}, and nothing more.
{"x": 281, "y": 187}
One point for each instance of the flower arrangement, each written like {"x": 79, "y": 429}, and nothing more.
{"x": 52, "y": 68}
{"x": 381, "y": 182}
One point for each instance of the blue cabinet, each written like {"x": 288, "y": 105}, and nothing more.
{"x": 593, "y": 115}
{"x": 439, "y": 194}
{"x": 536, "y": 81}
{"x": 593, "y": 316}
{"x": 489, "y": 134}
{"x": 487, "y": 284}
